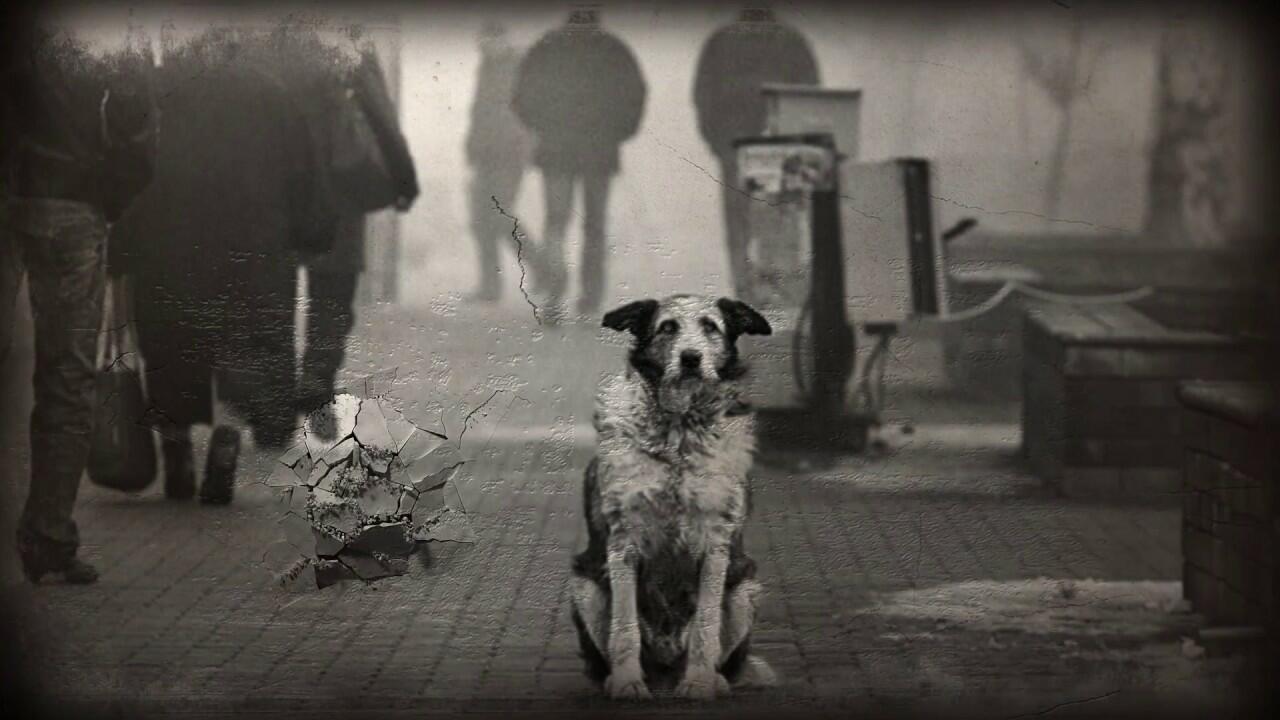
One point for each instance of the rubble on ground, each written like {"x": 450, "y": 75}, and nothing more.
{"x": 362, "y": 486}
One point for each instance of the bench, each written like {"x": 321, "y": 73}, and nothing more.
{"x": 1100, "y": 396}
{"x": 1231, "y": 512}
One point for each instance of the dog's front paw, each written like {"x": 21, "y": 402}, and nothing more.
{"x": 626, "y": 686}
{"x": 702, "y": 685}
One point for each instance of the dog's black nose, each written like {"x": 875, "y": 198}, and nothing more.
{"x": 691, "y": 360}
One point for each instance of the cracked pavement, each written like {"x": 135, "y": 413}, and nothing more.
{"x": 936, "y": 578}
{"x": 360, "y": 487}
{"x": 519, "y": 237}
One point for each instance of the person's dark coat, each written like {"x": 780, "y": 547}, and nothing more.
{"x": 210, "y": 243}
{"x": 496, "y": 138}
{"x": 735, "y": 62}
{"x": 369, "y": 87}
{"x": 320, "y": 79}
{"x": 231, "y": 173}
{"x": 581, "y": 93}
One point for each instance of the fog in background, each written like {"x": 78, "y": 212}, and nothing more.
{"x": 946, "y": 82}
{"x": 948, "y": 86}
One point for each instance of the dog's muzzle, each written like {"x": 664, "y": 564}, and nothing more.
{"x": 690, "y": 363}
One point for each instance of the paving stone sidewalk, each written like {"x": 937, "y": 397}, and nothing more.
{"x": 894, "y": 583}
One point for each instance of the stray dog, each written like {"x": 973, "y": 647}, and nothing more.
{"x": 665, "y": 583}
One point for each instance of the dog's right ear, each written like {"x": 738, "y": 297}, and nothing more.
{"x": 634, "y": 317}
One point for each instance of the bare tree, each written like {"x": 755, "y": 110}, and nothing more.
{"x": 1059, "y": 75}
{"x": 1195, "y": 191}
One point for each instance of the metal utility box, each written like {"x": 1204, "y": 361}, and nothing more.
{"x": 893, "y": 256}
{"x": 834, "y": 243}
{"x": 807, "y": 109}
{"x": 795, "y": 276}
{"x": 781, "y": 174}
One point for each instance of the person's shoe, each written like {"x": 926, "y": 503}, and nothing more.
{"x": 72, "y": 572}
{"x": 220, "y": 470}
{"x": 179, "y": 469}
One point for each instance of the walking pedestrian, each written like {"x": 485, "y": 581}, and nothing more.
{"x": 334, "y": 275}
{"x": 77, "y": 134}
{"x": 210, "y": 251}
{"x": 581, "y": 93}
{"x": 498, "y": 149}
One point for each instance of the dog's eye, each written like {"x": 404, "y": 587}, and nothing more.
{"x": 668, "y": 327}
{"x": 710, "y": 328}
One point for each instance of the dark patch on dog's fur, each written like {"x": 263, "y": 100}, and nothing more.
{"x": 732, "y": 368}
{"x": 742, "y": 319}
{"x": 637, "y": 319}
{"x": 597, "y": 667}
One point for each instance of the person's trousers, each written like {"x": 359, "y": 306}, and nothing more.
{"x": 241, "y": 336}
{"x": 330, "y": 319}
{"x": 59, "y": 244}
{"x": 492, "y": 226}
{"x": 558, "y": 187}
{"x": 736, "y": 224}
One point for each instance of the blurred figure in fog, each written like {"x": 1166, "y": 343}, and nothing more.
{"x": 332, "y": 276}
{"x": 735, "y": 62}
{"x": 581, "y": 93}
{"x": 498, "y": 150}
{"x": 76, "y": 146}
{"x": 210, "y": 248}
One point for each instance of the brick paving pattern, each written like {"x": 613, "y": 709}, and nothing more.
{"x": 185, "y": 617}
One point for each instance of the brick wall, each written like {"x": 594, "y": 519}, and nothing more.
{"x": 1231, "y": 513}
{"x": 1100, "y": 405}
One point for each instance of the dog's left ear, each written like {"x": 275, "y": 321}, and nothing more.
{"x": 742, "y": 319}
{"x": 634, "y": 317}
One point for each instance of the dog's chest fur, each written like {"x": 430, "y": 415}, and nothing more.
{"x": 671, "y": 483}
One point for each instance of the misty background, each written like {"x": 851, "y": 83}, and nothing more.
{"x": 950, "y": 88}
{"x": 1039, "y": 119}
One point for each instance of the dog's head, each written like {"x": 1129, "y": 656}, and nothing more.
{"x": 686, "y": 344}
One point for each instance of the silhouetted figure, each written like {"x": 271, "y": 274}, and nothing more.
{"x": 76, "y": 146}
{"x": 210, "y": 248}
{"x": 498, "y": 149}
{"x": 735, "y": 62}
{"x": 333, "y": 276}
{"x": 581, "y": 93}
